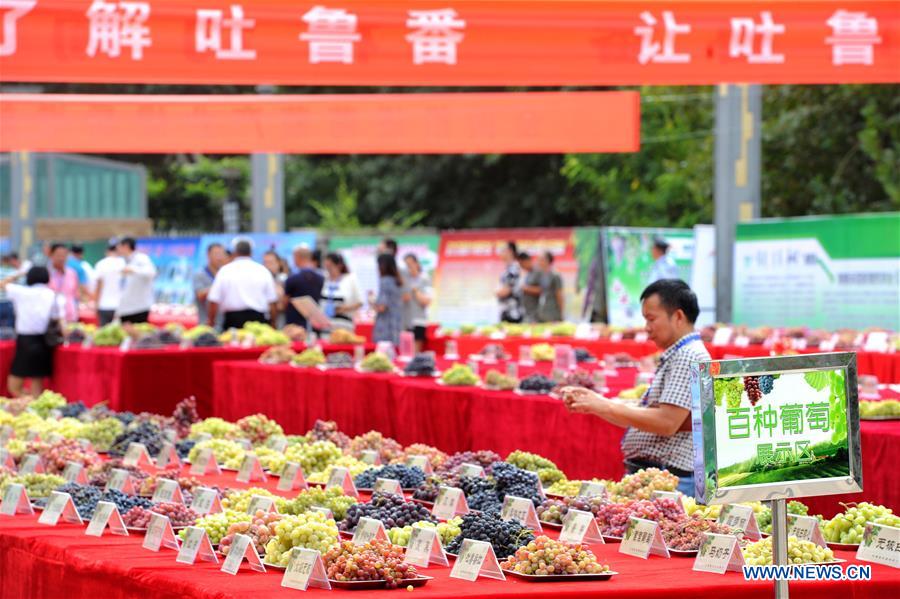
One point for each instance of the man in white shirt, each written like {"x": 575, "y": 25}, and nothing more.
{"x": 243, "y": 289}
{"x": 108, "y": 274}
{"x": 137, "y": 283}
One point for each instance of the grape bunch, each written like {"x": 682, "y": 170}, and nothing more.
{"x": 494, "y": 379}
{"x": 185, "y": 483}
{"x": 481, "y": 494}
{"x": 447, "y": 531}
{"x": 751, "y": 386}
{"x": 570, "y": 488}
{"x": 73, "y": 410}
{"x": 216, "y": 525}
{"x": 516, "y": 482}
{"x": 314, "y": 456}
{"x": 101, "y": 433}
{"x": 435, "y": 456}
{"x": 577, "y": 378}
{"x": 185, "y": 415}
{"x": 85, "y": 497}
{"x": 388, "y": 449}
{"x": 228, "y": 453}
{"x": 240, "y": 499}
{"x": 612, "y": 518}
{"x": 732, "y": 389}
{"x": 409, "y": 477}
{"x": 333, "y": 499}
{"x": 376, "y": 362}
{"x": 146, "y": 433}
{"x": 327, "y": 430}
{"x": 217, "y": 428}
{"x": 58, "y": 455}
{"x": 643, "y": 483}
{"x": 354, "y": 467}
{"x": 376, "y": 560}
{"x": 766, "y": 383}
{"x": 123, "y": 502}
{"x": 483, "y": 458}
{"x": 311, "y": 530}
{"x": 505, "y": 536}
{"x": 459, "y": 375}
{"x": 554, "y": 510}
{"x": 764, "y": 518}
{"x": 848, "y": 527}
{"x": 258, "y": 428}
{"x": 686, "y": 533}
{"x": 546, "y": 470}
{"x": 260, "y": 530}
{"x": 420, "y": 365}
{"x": 583, "y": 355}
{"x": 799, "y": 552}
{"x": 183, "y": 448}
{"x": 544, "y": 556}
{"x": 37, "y": 485}
{"x": 178, "y": 514}
{"x": 99, "y": 475}
{"x": 428, "y": 490}
{"x": 392, "y": 510}
{"x": 309, "y": 357}
{"x": 46, "y": 401}
{"x": 537, "y": 383}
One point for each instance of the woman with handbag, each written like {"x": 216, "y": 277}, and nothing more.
{"x": 37, "y": 329}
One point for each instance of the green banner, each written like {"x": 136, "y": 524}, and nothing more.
{"x": 829, "y": 272}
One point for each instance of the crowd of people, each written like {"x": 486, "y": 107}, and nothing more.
{"x": 530, "y": 289}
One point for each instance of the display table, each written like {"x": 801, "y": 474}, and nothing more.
{"x": 885, "y": 366}
{"x": 151, "y": 380}
{"x": 454, "y": 419}
{"x": 38, "y": 561}
{"x": 7, "y": 351}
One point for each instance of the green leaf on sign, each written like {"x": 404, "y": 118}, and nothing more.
{"x": 818, "y": 380}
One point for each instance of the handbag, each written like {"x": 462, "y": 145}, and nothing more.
{"x": 54, "y": 334}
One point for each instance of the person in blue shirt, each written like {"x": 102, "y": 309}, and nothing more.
{"x": 664, "y": 266}
{"x": 74, "y": 261}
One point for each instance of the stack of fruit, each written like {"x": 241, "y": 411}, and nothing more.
{"x": 376, "y": 560}
{"x": 217, "y": 525}
{"x": 376, "y": 362}
{"x": 642, "y": 484}
{"x": 459, "y": 375}
{"x": 309, "y": 357}
{"x": 388, "y": 449}
{"x": 545, "y": 469}
{"x": 544, "y": 557}
{"x": 260, "y": 529}
{"x": 333, "y": 499}
{"x": 799, "y": 552}
{"x": 496, "y": 380}
{"x": 505, "y": 536}
{"x": 310, "y": 530}
{"x": 392, "y": 510}
{"x": 553, "y": 511}
{"x": 848, "y": 527}
{"x": 447, "y": 531}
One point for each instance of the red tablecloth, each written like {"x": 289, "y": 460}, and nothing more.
{"x": 883, "y": 365}
{"x": 7, "y": 351}
{"x": 151, "y": 380}
{"x": 466, "y": 418}
{"x": 39, "y": 561}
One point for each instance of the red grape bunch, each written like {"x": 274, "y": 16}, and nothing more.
{"x": 376, "y": 560}
{"x": 751, "y": 385}
{"x": 178, "y": 514}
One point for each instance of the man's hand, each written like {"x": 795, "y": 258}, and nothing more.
{"x": 584, "y": 401}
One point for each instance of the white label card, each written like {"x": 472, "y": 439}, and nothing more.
{"x": 261, "y": 502}
{"x": 742, "y": 341}
{"x": 642, "y": 537}
{"x": 120, "y": 480}
{"x": 31, "y": 464}
{"x": 673, "y": 495}
{"x": 718, "y": 554}
{"x": 170, "y": 435}
{"x": 421, "y": 462}
{"x": 54, "y": 438}
{"x": 6, "y": 433}
{"x": 7, "y": 460}
{"x": 106, "y": 514}
{"x": 205, "y": 463}
{"x": 387, "y": 485}
{"x": 368, "y": 529}
{"x": 242, "y": 548}
{"x": 450, "y": 502}
{"x": 15, "y": 501}
{"x": 292, "y": 478}
{"x": 592, "y": 489}
{"x": 370, "y": 457}
{"x": 476, "y": 558}
{"x": 137, "y": 455}
{"x": 74, "y": 473}
{"x": 521, "y": 510}
{"x": 805, "y": 528}
{"x": 167, "y": 490}
{"x": 201, "y": 437}
{"x": 340, "y": 477}
{"x": 60, "y": 505}
{"x": 322, "y": 510}
{"x": 741, "y": 517}
{"x": 471, "y": 470}
{"x": 722, "y": 336}
{"x": 580, "y": 527}
{"x": 33, "y": 435}
{"x": 168, "y": 457}
{"x": 277, "y": 443}
{"x": 196, "y": 544}
{"x": 880, "y": 545}
{"x": 160, "y": 534}
{"x": 245, "y": 444}
{"x": 251, "y": 470}
{"x": 304, "y": 570}
{"x": 425, "y": 548}
{"x": 206, "y": 501}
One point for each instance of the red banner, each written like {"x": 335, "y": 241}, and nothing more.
{"x": 449, "y": 43}
{"x": 539, "y": 122}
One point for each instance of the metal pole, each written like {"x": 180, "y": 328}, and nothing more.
{"x": 268, "y": 192}
{"x": 780, "y": 544}
{"x": 23, "y": 219}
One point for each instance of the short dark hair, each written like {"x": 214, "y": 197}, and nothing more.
{"x": 549, "y": 257}
{"x": 512, "y": 247}
{"x": 56, "y": 245}
{"x": 213, "y": 246}
{"x": 413, "y": 257}
{"x": 129, "y": 241}
{"x": 661, "y": 244}
{"x": 338, "y": 261}
{"x": 76, "y": 248}
{"x": 37, "y": 275}
{"x": 391, "y": 245}
{"x": 387, "y": 267}
{"x": 523, "y": 256}
{"x": 674, "y": 294}
{"x": 243, "y": 248}
{"x": 317, "y": 257}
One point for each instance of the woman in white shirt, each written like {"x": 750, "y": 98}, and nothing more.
{"x": 341, "y": 297}
{"x": 35, "y": 306}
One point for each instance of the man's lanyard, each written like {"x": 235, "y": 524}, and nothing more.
{"x": 678, "y": 347}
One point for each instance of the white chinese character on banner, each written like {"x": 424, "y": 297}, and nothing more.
{"x": 115, "y": 25}
{"x": 743, "y": 37}
{"x": 436, "y": 38}
{"x": 12, "y": 10}
{"x": 208, "y": 35}
{"x": 331, "y": 35}
{"x": 854, "y": 35}
{"x": 650, "y": 50}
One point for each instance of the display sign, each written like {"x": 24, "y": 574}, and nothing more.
{"x": 805, "y": 528}
{"x": 277, "y": 443}
{"x": 718, "y": 554}
{"x": 340, "y": 478}
{"x": 472, "y": 43}
{"x": 580, "y": 527}
{"x": 387, "y": 485}
{"x": 168, "y": 457}
{"x": 242, "y": 548}
{"x": 592, "y": 489}
{"x": 6, "y": 433}
{"x": 160, "y": 534}
{"x": 370, "y": 457}
{"x": 828, "y": 272}
{"x": 60, "y": 505}
{"x": 305, "y": 569}
{"x": 369, "y": 529}
{"x": 167, "y": 490}
{"x": 740, "y": 517}
{"x": 137, "y": 456}
{"x": 31, "y": 464}
{"x": 15, "y": 501}
{"x": 205, "y": 463}
{"x": 476, "y": 558}
{"x": 74, "y": 473}
{"x": 449, "y": 503}
{"x": 106, "y": 514}
{"x": 424, "y": 548}
{"x": 421, "y": 462}
{"x": 6, "y": 460}
{"x": 521, "y": 510}
{"x": 291, "y": 477}
{"x": 120, "y": 480}
{"x": 251, "y": 470}
{"x": 196, "y": 544}
{"x": 471, "y": 470}
{"x": 261, "y": 502}
{"x": 643, "y": 537}
{"x": 206, "y": 501}
{"x": 775, "y": 428}
{"x": 880, "y": 545}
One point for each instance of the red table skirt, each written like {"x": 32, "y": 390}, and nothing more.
{"x": 458, "y": 419}
{"x": 38, "y": 561}
{"x": 884, "y": 366}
